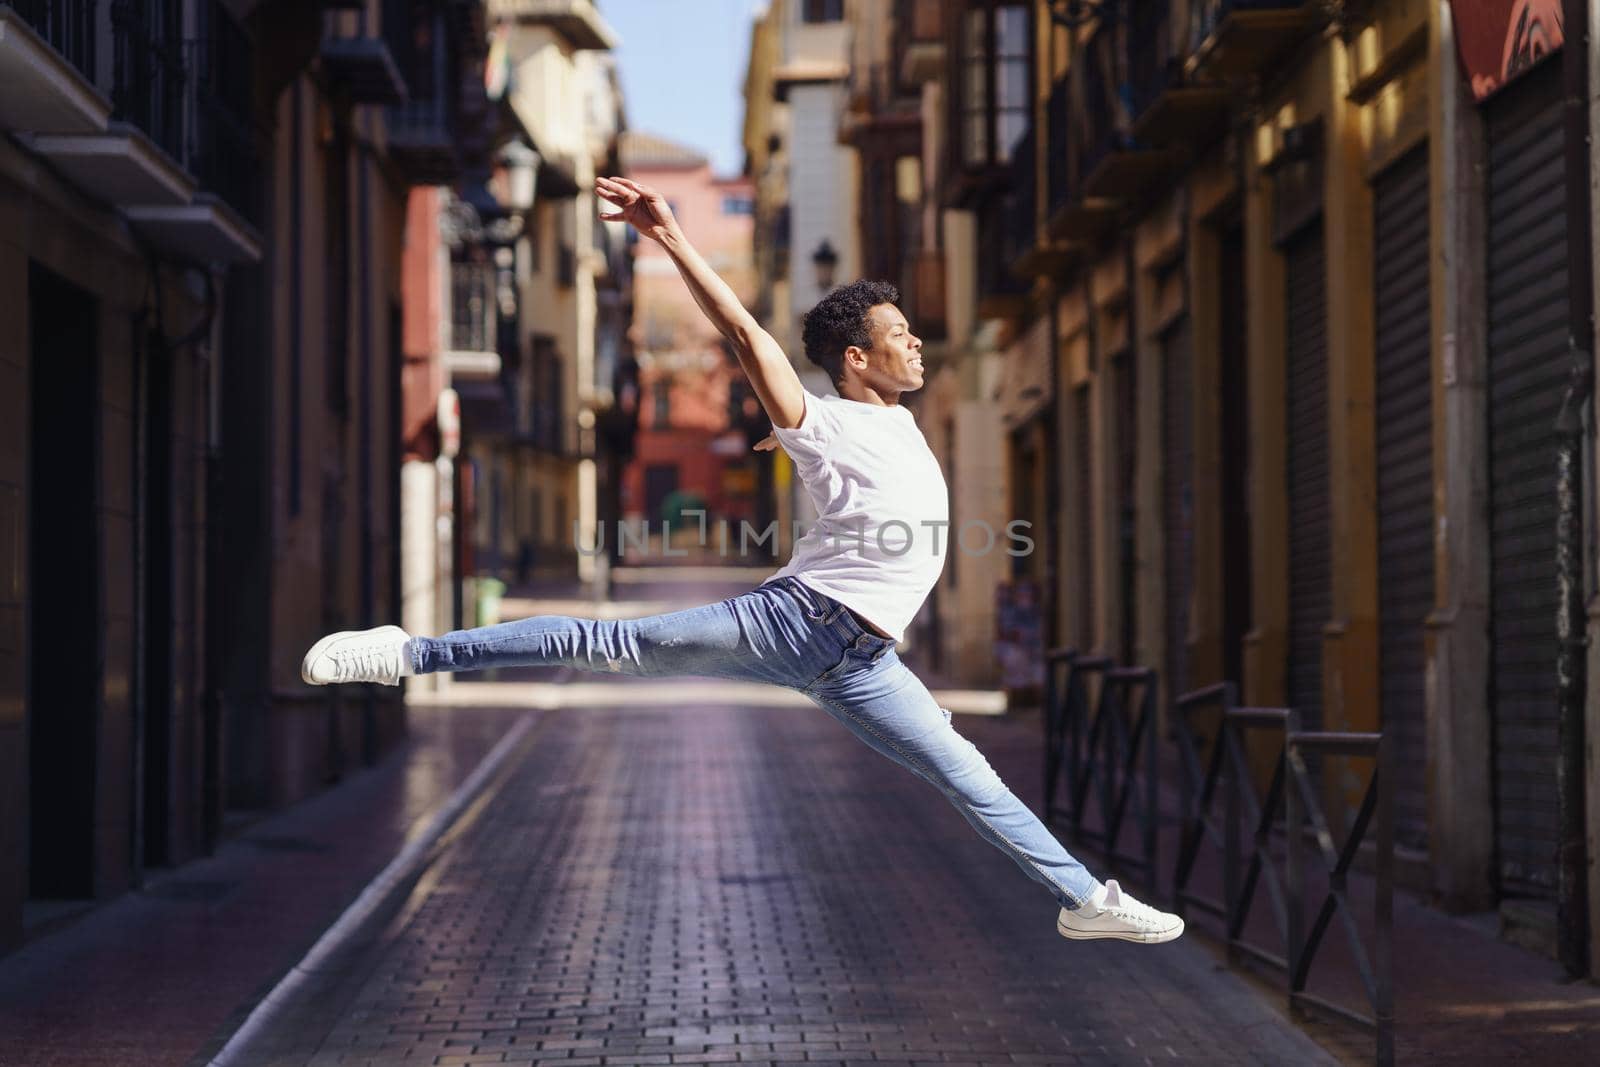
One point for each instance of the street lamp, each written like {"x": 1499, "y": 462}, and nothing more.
{"x": 825, "y": 259}
{"x": 522, "y": 172}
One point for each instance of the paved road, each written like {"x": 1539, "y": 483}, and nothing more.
{"x": 713, "y": 884}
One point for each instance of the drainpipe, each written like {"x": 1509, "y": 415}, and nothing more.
{"x": 1572, "y": 890}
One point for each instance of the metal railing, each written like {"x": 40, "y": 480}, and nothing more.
{"x": 472, "y": 307}
{"x": 1265, "y": 835}
{"x": 1104, "y": 124}
{"x": 68, "y": 26}
{"x": 1201, "y": 824}
{"x": 1154, "y": 65}
{"x": 1108, "y": 754}
{"x": 1018, "y": 225}
{"x": 1290, "y": 804}
{"x": 1059, "y": 182}
{"x": 147, "y": 86}
{"x": 221, "y": 142}
{"x": 1206, "y": 16}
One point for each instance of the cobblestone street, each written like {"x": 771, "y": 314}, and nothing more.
{"x": 708, "y": 883}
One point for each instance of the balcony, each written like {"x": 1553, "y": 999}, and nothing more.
{"x": 218, "y": 223}
{"x": 1233, "y": 39}
{"x": 157, "y": 150}
{"x": 576, "y": 20}
{"x": 1072, "y": 218}
{"x": 919, "y": 37}
{"x": 362, "y": 63}
{"x": 47, "y": 65}
{"x": 1116, "y": 165}
{"x": 1166, "y": 109}
{"x": 1002, "y": 229}
{"x": 422, "y": 131}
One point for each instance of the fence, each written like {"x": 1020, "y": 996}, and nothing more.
{"x": 1106, "y": 749}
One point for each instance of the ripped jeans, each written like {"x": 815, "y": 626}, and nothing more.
{"x": 784, "y": 633}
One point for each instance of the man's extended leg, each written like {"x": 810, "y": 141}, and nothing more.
{"x": 762, "y": 636}
{"x": 890, "y": 709}
{"x": 882, "y": 702}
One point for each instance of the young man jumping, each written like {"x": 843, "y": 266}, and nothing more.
{"x": 827, "y": 623}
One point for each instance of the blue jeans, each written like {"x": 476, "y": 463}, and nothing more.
{"x": 784, "y": 633}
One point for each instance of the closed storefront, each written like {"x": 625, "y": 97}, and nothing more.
{"x": 1125, "y": 373}
{"x": 1305, "y": 353}
{"x": 1404, "y": 428}
{"x": 1177, "y": 492}
{"x": 1083, "y": 445}
{"x": 1527, "y": 372}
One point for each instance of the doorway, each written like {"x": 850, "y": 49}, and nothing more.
{"x": 63, "y": 585}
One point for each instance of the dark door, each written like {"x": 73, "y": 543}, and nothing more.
{"x": 1404, "y": 416}
{"x": 63, "y": 587}
{"x": 1177, "y": 492}
{"x": 1307, "y": 465}
{"x": 1235, "y": 437}
{"x": 660, "y": 482}
{"x": 1528, "y": 324}
{"x": 156, "y": 733}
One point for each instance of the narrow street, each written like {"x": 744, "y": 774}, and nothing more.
{"x": 725, "y": 879}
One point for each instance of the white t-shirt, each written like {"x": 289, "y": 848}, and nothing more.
{"x": 883, "y": 525}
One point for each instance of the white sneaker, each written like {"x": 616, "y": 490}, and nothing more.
{"x": 1121, "y": 917}
{"x": 376, "y": 655}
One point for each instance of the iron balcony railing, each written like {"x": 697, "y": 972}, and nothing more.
{"x": 1104, "y": 116}
{"x": 472, "y": 307}
{"x": 1058, "y": 138}
{"x": 148, "y": 71}
{"x": 221, "y": 143}
{"x": 1018, "y": 229}
{"x": 1206, "y": 15}
{"x": 69, "y": 26}
{"x": 1154, "y": 65}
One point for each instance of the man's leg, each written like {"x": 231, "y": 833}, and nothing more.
{"x": 889, "y": 708}
{"x": 749, "y": 637}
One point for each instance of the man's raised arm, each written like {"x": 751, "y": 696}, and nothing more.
{"x": 775, "y": 382}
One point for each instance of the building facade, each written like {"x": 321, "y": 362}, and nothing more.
{"x": 203, "y": 207}
{"x": 1303, "y": 289}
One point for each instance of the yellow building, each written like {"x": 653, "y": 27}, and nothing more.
{"x": 1283, "y": 295}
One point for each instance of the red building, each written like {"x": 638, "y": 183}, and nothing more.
{"x": 697, "y": 412}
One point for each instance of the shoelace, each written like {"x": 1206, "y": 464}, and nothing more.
{"x": 370, "y": 661}
{"x": 1135, "y": 911}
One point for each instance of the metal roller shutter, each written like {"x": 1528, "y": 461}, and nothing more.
{"x": 1127, "y": 376}
{"x": 1177, "y": 461}
{"x": 1405, "y": 477}
{"x": 1085, "y": 502}
{"x": 1528, "y": 313}
{"x": 1307, "y": 464}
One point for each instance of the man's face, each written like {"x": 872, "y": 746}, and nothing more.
{"x": 894, "y": 361}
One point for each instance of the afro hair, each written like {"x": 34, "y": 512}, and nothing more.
{"x": 839, "y": 320}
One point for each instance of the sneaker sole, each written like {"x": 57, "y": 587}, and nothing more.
{"x": 1110, "y": 935}
{"x": 318, "y": 648}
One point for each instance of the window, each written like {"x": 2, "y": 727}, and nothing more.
{"x": 822, "y": 10}
{"x": 738, "y": 205}
{"x": 996, "y": 99}
{"x": 662, "y": 416}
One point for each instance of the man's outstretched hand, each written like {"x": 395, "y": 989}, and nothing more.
{"x": 643, "y": 208}
{"x": 767, "y": 443}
